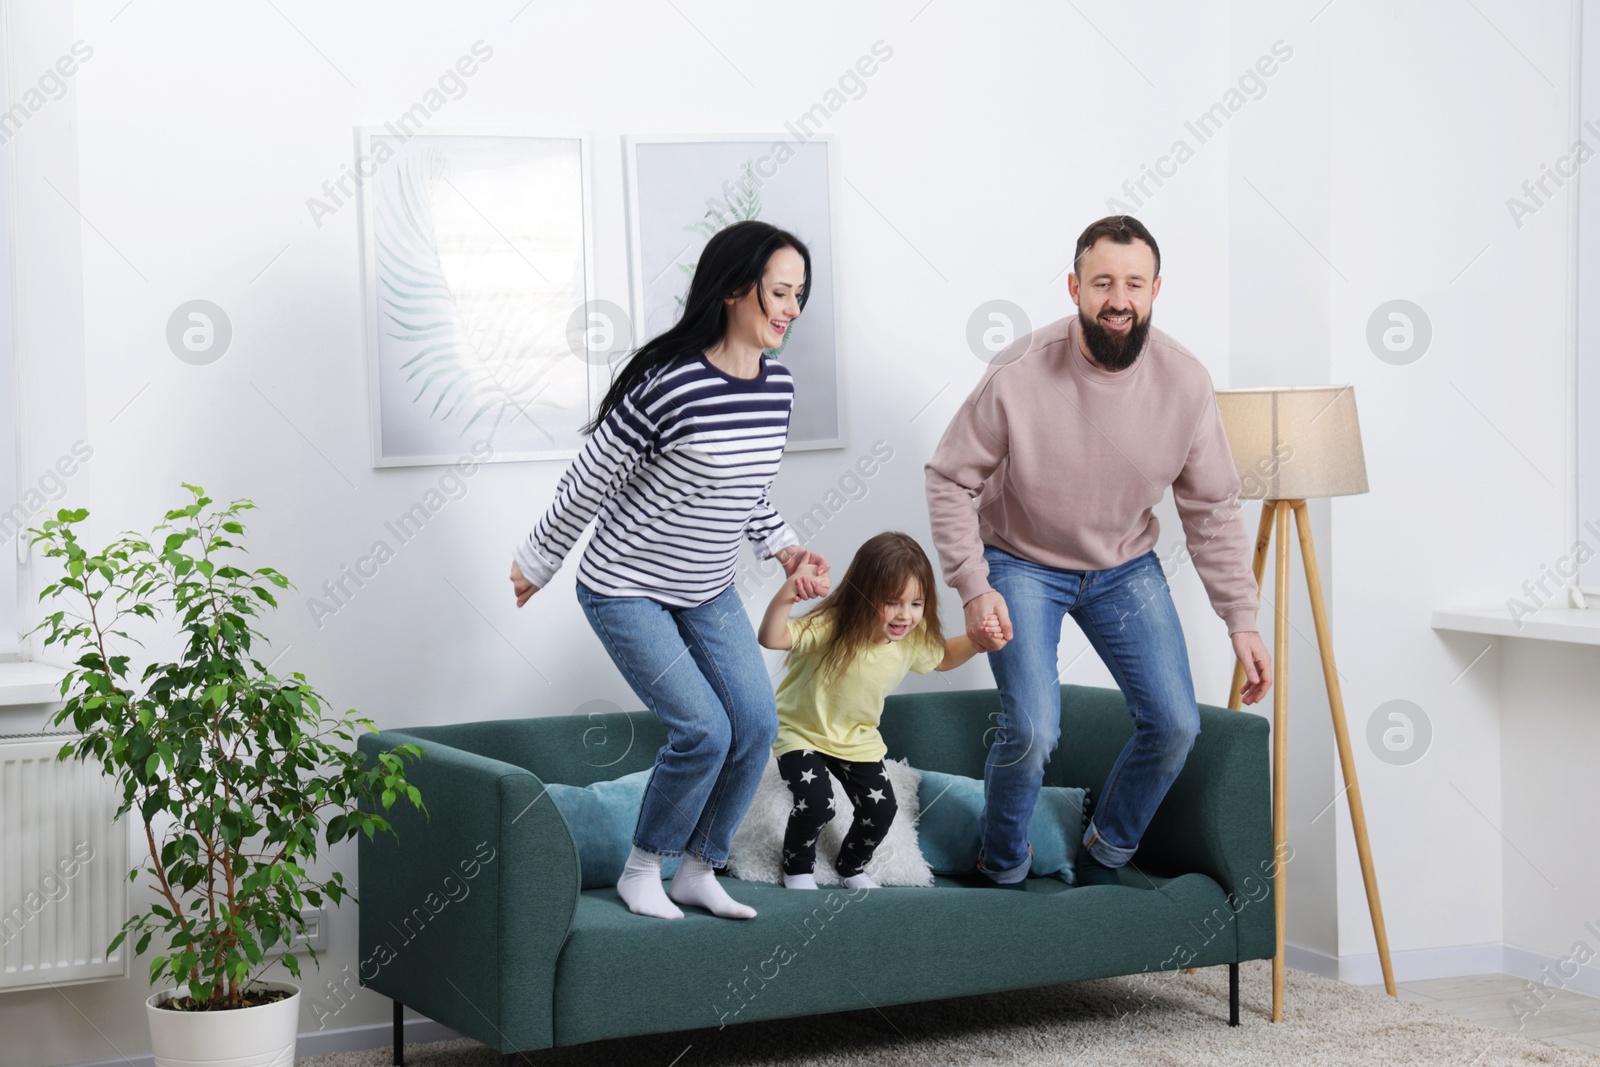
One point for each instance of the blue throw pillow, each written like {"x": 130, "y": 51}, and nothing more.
{"x": 602, "y": 817}
{"x": 948, "y": 828}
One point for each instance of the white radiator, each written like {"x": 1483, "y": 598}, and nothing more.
{"x": 63, "y": 867}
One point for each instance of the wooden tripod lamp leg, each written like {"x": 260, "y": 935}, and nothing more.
{"x": 1341, "y": 732}
{"x": 1257, "y": 566}
{"x": 1280, "y": 748}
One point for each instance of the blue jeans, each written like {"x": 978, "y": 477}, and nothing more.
{"x": 700, "y": 671}
{"x": 1126, "y": 612}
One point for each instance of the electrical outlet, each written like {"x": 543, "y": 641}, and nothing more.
{"x": 314, "y": 929}
{"x": 313, "y": 933}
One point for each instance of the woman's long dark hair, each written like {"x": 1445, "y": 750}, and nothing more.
{"x": 733, "y": 260}
{"x": 879, "y": 573}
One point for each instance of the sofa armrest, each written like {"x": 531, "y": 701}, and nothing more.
{"x": 1217, "y": 817}
{"x": 464, "y": 912}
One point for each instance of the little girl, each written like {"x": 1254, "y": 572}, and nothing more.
{"x": 845, "y": 657}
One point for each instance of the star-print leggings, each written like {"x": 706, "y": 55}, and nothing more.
{"x": 805, "y": 771}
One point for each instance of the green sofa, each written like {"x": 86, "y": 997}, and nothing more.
{"x": 475, "y": 917}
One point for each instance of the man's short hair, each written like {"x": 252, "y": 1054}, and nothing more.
{"x": 1123, "y": 229}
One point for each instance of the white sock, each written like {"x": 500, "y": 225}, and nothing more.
{"x": 860, "y": 881}
{"x": 799, "y": 881}
{"x": 695, "y": 884}
{"x": 640, "y": 886}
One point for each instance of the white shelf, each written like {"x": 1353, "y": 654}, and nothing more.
{"x": 30, "y": 683}
{"x": 1574, "y": 626}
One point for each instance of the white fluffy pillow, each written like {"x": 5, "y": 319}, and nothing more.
{"x": 757, "y": 848}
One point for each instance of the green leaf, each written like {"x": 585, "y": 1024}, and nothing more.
{"x": 234, "y": 770}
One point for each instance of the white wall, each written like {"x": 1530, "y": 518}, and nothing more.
{"x": 1279, "y": 149}
{"x": 1549, "y": 733}
{"x": 971, "y": 163}
{"x": 1438, "y": 118}
{"x": 1374, "y": 166}
{"x": 1388, "y": 179}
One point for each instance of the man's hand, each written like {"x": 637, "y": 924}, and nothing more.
{"x": 978, "y": 610}
{"x": 994, "y": 629}
{"x": 520, "y": 585}
{"x": 806, "y": 586}
{"x": 1257, "y": 664}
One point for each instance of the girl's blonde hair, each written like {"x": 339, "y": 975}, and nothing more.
{"x": 879, "y": 573}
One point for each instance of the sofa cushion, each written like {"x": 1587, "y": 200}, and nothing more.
{"x": 756, "y": 852}
{"x": 949, "y": 830}
{"x": 807, "y": 953}
{"x": 602, "y": 817}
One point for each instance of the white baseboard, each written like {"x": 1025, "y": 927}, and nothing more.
{"x": 1416, "y": 965}
{"x": 1554, "y": 971}
{"x": 327, "y": 1042}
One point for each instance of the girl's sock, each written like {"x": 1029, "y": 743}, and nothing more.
{"x": 640, "y": 886}
{"x": 695, "y": 884}
{"x": 860, "y": 881}
{"x": 799, "y": 881}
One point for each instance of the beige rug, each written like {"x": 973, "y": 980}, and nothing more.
{"x": 1175, "y": 1019}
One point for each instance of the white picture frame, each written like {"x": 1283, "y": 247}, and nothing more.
{"x": 474, "y": 315}
{"x": 671, "y": 182}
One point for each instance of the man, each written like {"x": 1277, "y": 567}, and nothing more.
{"x": 1040, "y": 495}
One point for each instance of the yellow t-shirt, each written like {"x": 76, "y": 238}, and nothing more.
{"x": 840, "y": 718}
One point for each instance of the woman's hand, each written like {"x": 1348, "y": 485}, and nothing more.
{"x": 773, "y": 632}
{"x": 806, "y": 586}
{"x": 520, "y": 585}
{"x": 808, "y": 573}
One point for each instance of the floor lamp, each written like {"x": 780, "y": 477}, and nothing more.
{"x": 1291, "y": 445}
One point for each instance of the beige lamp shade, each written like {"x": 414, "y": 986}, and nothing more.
{"x": 1295, "y": 443}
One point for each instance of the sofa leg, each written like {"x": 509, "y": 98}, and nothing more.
{"x": 399, "y": 1034}
{"x": 1233, "y": 994}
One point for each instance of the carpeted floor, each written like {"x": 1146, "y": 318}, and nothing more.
{"x": 1176, "y": 1019}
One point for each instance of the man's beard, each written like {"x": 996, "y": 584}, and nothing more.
{"x": 1114, "y": 350}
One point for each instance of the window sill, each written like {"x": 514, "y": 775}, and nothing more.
{"x": 1573, "y": 626}
{"x": 29, "y": 682}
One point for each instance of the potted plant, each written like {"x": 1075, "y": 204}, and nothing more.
{"x": 237, "y": 776}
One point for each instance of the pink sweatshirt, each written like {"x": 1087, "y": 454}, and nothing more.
{"x": 1065, "y": 460}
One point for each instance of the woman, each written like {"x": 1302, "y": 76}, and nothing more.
{"x": 678, "y": 466}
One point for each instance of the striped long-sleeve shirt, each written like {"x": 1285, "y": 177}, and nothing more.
{"x": 678, "y": 474}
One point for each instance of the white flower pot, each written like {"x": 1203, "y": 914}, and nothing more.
{"x": 262, "y": 1036}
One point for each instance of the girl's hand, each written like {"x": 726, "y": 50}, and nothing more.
{"x": 807, "y": 587}
{"x": 813, "y": 579}
{"x": 978, "y": 611}
{"x": 994, "y": 629}
{"x": 520, "y": 585}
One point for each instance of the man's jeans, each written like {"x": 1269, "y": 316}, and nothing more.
{"x": 701, "y": 672}
{"x": 1127, "y": 614}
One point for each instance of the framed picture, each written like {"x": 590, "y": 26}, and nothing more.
{"x": 682, "y": 190}
{"x": 478, "y": 280}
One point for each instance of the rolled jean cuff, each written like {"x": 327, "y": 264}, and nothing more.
{"x": 1104, "y": 851}
{"x": 1011, "y": 876}
{"x": 665, "y": 854}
